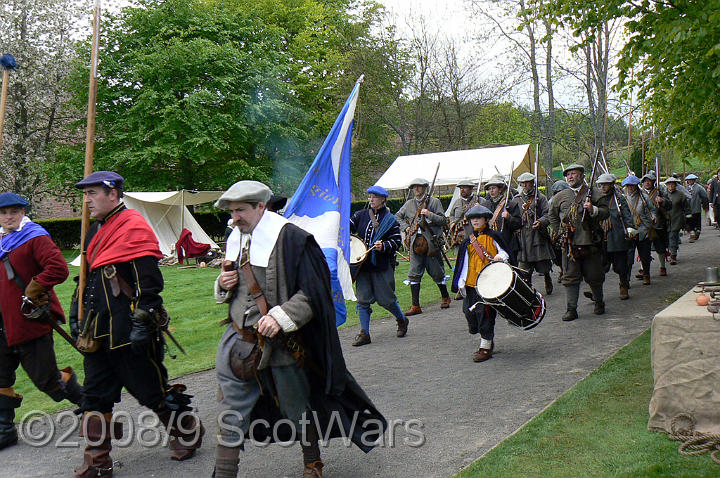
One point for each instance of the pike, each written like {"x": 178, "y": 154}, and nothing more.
{"x": 617, "y": 203}
{"x": 592, "y": 180}
{"x": 8, "y": 63}
{"x": 507, "y": 193}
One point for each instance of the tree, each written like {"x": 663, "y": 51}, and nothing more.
{"x": 39, "y": 33}
{"x": 673, "y": 48}
{"x": 193, "y": 91}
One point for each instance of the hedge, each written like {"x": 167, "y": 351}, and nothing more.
{"x": 66, "y": 232}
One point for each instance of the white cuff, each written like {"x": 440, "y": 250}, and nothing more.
{"x": 282, "y": 319}
{"x": 594, "y": 211}
{"x": 221, "y": 295}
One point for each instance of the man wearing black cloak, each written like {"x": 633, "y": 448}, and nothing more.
{"x": 280, "y": 356}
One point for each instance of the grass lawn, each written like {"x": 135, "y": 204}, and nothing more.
{"x": 188, "y": 297}
{"x": 597, "y": 429}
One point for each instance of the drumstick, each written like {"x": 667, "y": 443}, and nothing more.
{"x": 366, "y": 252}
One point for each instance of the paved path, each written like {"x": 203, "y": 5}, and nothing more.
{"x": 465, "y": 408}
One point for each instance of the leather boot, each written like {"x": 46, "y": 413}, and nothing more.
{"x": 646, "y": 279}
{"x": 548, "y": 284}
{"x": 313, "y": 470}
{"x": 226, "y": 462}
{"x": 9, "y": 401}
{"x": 640, "y": 274}
{"x": 185, "y": 430}
{"x": 673, "y": 259}
{"x": 402, "y": 326}
{"x": 363, "y": 338}
{"x": 415, "y": 293}
{"x": 663, "y": 271}
{"x": 624, "y": 295}
{"x": 445, "y": 296}
{"x": 99, "y": 431}
{"x": 413, "y": 310}
{"x": 68, "y": 388}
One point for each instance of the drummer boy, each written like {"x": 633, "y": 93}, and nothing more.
{"x": 482, "y": 247}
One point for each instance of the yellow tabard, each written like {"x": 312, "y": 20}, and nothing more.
{"x": 475, "y": 262}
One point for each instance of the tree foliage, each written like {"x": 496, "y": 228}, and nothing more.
{"x": 671, "y": 58}
{"x": 197, "y": 94}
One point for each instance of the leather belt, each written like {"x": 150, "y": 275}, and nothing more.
{"x": 117, "y": 283}
{"x": 247, "y": 335}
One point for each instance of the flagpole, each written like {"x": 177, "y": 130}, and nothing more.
{"x": 89, "y": 154}
{"x": 7, "y": 62}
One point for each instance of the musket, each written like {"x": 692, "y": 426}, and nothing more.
{"x": 477, "y": 190}
{"x": 535, "y": 194}
{"x": 592, "y": 180}
{"x": 412, "y": 230}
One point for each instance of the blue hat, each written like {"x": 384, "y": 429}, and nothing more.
{"x": 478, "y": 211}
{"x": 690, "y": 176}
{"x": 108, "y": 179}
{"x": 632, "y": 179}
{"x": 378, "y": 190}
{"x": 12, "y": 199}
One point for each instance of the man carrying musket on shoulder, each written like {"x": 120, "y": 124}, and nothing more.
{"x": 619, "y": 231}
{"x": 120, "y": 329}
{"x": 575, "y": 215}
{"x": 535, "y": 252}
{"x": 375, "y": 281}
{"x": 507, "y": 217}
{"x": 32, "y": 265}
{"x": 280, "y": 368}
{"x": 424, "y": 218}
{"x": 459, "y": 225}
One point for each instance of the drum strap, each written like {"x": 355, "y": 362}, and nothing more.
{"x": 479, "y": 249}
{"x": 373, "y": 219}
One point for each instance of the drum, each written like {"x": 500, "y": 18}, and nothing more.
{"x": 358, "y": 251}
{"x": 501, "y": 288}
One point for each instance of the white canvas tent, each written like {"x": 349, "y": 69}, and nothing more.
{"x": 167, "y": 214}
{"x": 458, "y": 165}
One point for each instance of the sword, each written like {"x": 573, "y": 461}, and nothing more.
{"x": 31, "y": 311}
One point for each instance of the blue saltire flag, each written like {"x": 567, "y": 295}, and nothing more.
{"x": 321, "y": 204}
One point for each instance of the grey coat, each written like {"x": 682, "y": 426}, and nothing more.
{"x": 643, "y": 211}
{"x": 615, "y": 234}
{"x": 534, "y": 244}
{"x": 698, "y": 198}
{"x": 436, "y": 219}
{"x": 563, "y": 213}
{"x": 679, "y": 210}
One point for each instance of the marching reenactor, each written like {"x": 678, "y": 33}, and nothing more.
{"x": 423, "y": 217}
{"x": 698, "y": 201}
{"x": 507, "y": 217}
{"x": 619, "y": 231}
{"x": 660, "y": 201}
{"x": 643, "y": 212}
{"x": 375, "y": 281}
{"x": 32, "y": 265}
{"x": 679, "y": 214}
{"x": 535, "y": 251}
{"x": 120, "y": 329}
{"x": 575, "y": 216}
{"x": 714, "y": 197}
{"x": 557, "y": 186}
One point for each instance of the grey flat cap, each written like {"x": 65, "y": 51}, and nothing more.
{"x": 495, "y": 180}
{"x": 649, "y": 175}
{"x": 672, "y": 179}
{"x": 572, "y": 167}
{"x": 525, "y": 177}
{"x": 244, "y": 191}
{"x": 478, "y": 211}
{"x": 419, "y": 182}
{"x": 606, "y": 178}
{"x": 466, "y": 182}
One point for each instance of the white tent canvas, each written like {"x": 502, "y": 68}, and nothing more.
{"x": 167, "y": 214}
{"x": 459, "y": 165}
